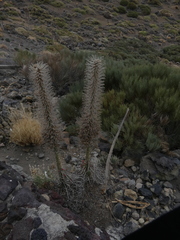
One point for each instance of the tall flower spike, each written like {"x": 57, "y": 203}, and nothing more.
{"x": 40, "y": 75}
{"x": 90, "y": 121}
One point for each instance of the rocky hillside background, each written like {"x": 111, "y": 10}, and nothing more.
{"x": 123, "y": 29}
{"x": 130, "y": 32}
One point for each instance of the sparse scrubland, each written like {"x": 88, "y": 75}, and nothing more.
{"x": 135, "y": 66}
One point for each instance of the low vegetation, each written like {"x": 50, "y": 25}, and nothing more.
{"x": 150, "y": 92}
{"x": 25, "y": 130}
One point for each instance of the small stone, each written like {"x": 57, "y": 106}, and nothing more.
{"x": 16, "y": 214}
{"x": 45, "y": 196}
{"x": 118, "y": 194}
{"x": 22, "y": 229}
{"x": 41, "y": 155}
{"x": 37, "y": 222}
{"x": 130, "y": 194}
{"x": 118, "y": 210}
{"x": 164, "y": 200}
{"x": 139, "y": 180}
{"x": 122, "y": 172}
{"x": 146, "y": 192}
{"x": 131, "y": 184}
{"x": 7, "y": 186}
{"x": 157, "y": 189}
{"x": 135, "y": 215}
{"x": 155, "y": 181}
{"x": 134, "y": 169}
{"x": 24, "y": 197}
{"x": 39, "y": 234}
{"x": 139, "y": 185}
{"x": 130, "y": 227}
{"x": 167, "y": 185}
{"x": 168, "y": 192}
{"x": 141, "y": 221}
{"x": 148, "y": 184}
{"x": 129, "y": 163}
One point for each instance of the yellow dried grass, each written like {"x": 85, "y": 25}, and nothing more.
{"x": 25, "y": 130}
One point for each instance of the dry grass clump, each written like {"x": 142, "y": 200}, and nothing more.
{"x": 42, "y": 176}
{"x": 25, "y": 130}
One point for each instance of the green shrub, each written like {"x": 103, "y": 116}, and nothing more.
{"x": 132, "y": 51}
{"x": 39, "y": 13}
{"x": 79, "y": 10}
{"x": 70, "y": 107}
{"x": 154, "y": 2}
{"x": 124, "y": 2}
{"x": 132, "y": 14}
{"x": 24, "y": 57}
{"x": 131, "y": 6}
{"x": 134, "y": 134}
{"x": 113, "y": 74}
{"x": 121, "y": 10}
{"x": 42, "y": 1}
{"x": 66, "y": 68}
{"x": 113, "y": 109}
{"x": 56, "y": 3}
{"x": 151, "y": 92}
{"x": 145, "y": 10}
{"x": 172, "y": 53}
{"x": 60, "y": 22}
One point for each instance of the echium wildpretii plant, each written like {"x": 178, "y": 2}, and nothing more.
{"x": 40, "y": 75}
{"x": 90, "y": 121}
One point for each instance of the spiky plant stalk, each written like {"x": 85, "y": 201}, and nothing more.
{"x": 40, "y": 75}
{"x": 90, "y": 121}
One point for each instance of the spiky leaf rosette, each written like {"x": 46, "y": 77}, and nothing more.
{"x": 40, "y": 75}
{"x": 90, "y": 122}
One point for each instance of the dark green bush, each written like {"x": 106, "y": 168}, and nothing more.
{"x": 172, "y": 53}
{"x": 131, "y": 6}
{"x": 133, "y": 51}
{"x": 66, "y": 68}
{"x": 121, "y": 10}
{"x": 113, "y": 109}
{"x": 154, "y": 2}
{"x": 42, "y": 1}
{"x": 145, "y": 10}
{"x": 70, "y": 107}
{"x": 113, "y": 74}
{"x": 39, "y": 13}
{"x": 132, "y": 14}
{"x": 124, "y": 2}
{"x": 152, "y": 94}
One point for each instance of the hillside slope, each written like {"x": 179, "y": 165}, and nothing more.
{"x": 89, "y": 24}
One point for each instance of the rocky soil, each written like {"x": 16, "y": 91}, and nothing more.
{"x": 138, "y": 193}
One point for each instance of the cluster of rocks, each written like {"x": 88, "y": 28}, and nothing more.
{"x": 27, "y": 213}
{"x": 144, "y": 192}
{"x": 139, "y": 194}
